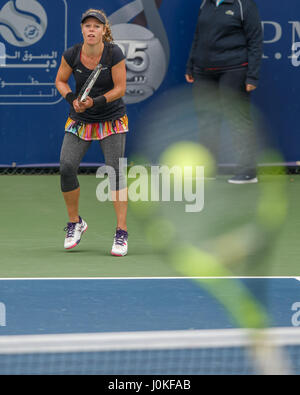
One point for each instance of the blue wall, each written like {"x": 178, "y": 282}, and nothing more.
{"x": 32, "y": 115}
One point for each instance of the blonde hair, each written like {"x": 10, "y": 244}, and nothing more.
{"x": 108, "y": 34}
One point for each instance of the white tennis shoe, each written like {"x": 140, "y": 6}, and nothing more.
{"x": 243, "y": 179}
{"x": 120, "y": 245}
{"x": 74, "y": 233}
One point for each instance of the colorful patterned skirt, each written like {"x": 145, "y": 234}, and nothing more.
{"x": 97, "y": 131}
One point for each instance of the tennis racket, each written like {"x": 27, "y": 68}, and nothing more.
{"x": 90, "y": 82}
{"x": 232, "y": 238}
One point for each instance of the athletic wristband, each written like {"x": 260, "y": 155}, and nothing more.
{"x": 70, "y": 97}
{"x": 99, "y": 101}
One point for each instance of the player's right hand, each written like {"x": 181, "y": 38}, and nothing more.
{"x": 189, "y": 78}
{"x": 80, "y": 106}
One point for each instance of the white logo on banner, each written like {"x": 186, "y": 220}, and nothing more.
{"x": 30, "y": 51}
{"x": 147, "y": 50}
{"x": 145, "y": 60}
{"x": 276, "y": 35}
{"x": 23, "y": 22}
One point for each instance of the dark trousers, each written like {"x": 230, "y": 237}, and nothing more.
{"x": 222, "y": 96}
{"x": 74, "y": 149}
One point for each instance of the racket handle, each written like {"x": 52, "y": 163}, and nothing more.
{"x": 84, "y": 96}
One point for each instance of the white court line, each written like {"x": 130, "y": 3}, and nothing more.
{"x": 146, "y": 278}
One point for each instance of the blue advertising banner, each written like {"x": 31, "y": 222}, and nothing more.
{"x": 156, "y": 37}
{"x": 32, "y": 51}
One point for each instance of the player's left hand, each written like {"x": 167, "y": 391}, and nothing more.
{"x": 88, "y": 103}
{"x": 250, "y": 87}
{"x": 83, "y": 106}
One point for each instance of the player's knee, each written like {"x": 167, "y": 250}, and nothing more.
{"x": 67, "y": 169}
{"x": 68, "y": 176}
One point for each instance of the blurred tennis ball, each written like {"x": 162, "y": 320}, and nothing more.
{"x": 184, "y": 154}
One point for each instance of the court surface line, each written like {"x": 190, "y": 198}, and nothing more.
{"x": 145, "y": 278}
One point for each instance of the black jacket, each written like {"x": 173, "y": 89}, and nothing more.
{"x": 227, "y": 35}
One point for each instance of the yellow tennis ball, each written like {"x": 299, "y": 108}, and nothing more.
{"x": 186, "y": 154}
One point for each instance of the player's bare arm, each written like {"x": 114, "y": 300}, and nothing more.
{"x": 119, "y": 80}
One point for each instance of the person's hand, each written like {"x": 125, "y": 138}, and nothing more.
{"x": 189, "y": 78}
{"x": 83, "y": 106}
{"x": 250, "y": 87}
{"x": 78, "y": 106}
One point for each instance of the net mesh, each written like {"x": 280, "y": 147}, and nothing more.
{"x": 53, "y": 169}
{"x": 43, "y": 170}
{"x": 224, "y": 352}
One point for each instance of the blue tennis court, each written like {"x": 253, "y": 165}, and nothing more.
{"x": 135, "y": 326}
{"x": 45, "y": 306}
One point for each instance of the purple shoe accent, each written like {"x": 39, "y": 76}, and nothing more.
{"x": 121, "y": 236}
{"x": 70, "y": 229}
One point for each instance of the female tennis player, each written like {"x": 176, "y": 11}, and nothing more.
{"x": 102, "y": 116}
{"x": 224, "y": 65}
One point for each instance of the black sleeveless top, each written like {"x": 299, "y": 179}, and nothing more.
{"x": 112, "y": 55}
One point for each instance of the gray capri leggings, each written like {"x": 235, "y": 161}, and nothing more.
{"x": 73, "y": 150}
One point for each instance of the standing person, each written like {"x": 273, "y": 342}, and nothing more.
{"x": 101, "y": 117}
{"x": 224, "y": 65}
